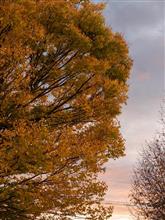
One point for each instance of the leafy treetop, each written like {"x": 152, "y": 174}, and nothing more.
{"x": 63, "y": 79}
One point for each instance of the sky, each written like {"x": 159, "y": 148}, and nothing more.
{"x": 142, "y": 23}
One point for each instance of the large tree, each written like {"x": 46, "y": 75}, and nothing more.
{"x": 63, "y": 79}
{"x": 148, "y": 188}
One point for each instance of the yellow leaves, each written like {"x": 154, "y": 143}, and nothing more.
{"x": 29, "y": 144}
{"x": 77, "y": 38}
{"x": 91, "y": 23}
{"x": 63, "y": 83}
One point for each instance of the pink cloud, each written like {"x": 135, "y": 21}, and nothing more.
{"x": 143, "y": 76}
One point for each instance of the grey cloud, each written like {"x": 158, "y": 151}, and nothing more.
{"x": 146, "y": 47}
{"x": 133, "y": 18}
{"x": 141, "y": 23}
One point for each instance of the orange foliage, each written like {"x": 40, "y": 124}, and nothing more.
{"x": 63, "y": 77}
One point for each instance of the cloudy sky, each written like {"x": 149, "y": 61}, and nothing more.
{"x": 142, "y": 24}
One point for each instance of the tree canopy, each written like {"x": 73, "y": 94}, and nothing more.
{"x": 63, "y": 80}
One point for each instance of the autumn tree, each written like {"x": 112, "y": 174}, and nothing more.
{"x": 63, "y": 80}
{"x": 148, "y": 188}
